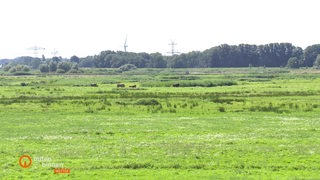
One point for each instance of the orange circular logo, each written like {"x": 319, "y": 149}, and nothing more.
{"x": 24, "y": 164}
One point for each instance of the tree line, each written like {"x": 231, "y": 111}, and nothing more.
{"x": 243, "y": 55}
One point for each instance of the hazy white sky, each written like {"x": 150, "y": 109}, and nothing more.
{"x": 86, "y": 27}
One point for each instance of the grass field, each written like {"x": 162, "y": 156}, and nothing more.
{"x": 256, "y": 123}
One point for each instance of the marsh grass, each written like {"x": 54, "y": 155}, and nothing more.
{"x": 264, "y": 125}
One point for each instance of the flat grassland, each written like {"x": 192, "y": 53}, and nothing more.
{"x": 255, "y": 123}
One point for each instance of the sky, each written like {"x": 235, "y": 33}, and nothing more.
{"x": 87, "y": 27}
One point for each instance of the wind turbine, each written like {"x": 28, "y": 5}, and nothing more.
{"x": 125, "y": 45}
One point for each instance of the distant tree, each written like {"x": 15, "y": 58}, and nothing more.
{"x": 52, "y": 66}
{"x": 193, "y": 59}
{"x": 310, "y": 55}
{"x": 86, "y": 62}
{"x": 56, "y": 59}
{"x": 103, "y": 60}
{"x": 17, "y": 68}
{"x": 75, "y": 66}
{"x": 177, "y": 61}
{"x": 117, "y": 61}
{"x": 35, "y": 63}
{"x": 275, "y": 54}
{"x": 25, "y": 60}
{"x": 44, "y": 68}
{"x": 25, "y": 68}
{"x": 157, "y": 61}
{"x": 43, "y": 58}
{"x": 248, "y": 55}
{"x": 66, "y": 66}
{"x": 317, "y": 62}
{"x": 7, "y": 67}
{"x": 13, "y": 69}
{"x": 74, "y": 59}
{"x": 293, "y": 62}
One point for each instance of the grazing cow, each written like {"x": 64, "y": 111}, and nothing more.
{"x": 133, "y": 86}
{"x": 94, "y": 85}
{"x": 176, "y": 85}
{"x": 120, "y": 85}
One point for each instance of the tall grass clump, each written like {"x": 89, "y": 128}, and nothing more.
{"x": 148, "y": 102}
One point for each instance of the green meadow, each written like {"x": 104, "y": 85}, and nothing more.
{"x": 226, "y": 123}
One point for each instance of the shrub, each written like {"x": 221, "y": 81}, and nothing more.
{"x": 75, "y": 66}
{"x": 65, "y": 66}
{"x": 21, "y": 73}
{"x": 293, "y": 62}
{"x": 18, "y": 68}
{"x": 52, "y": 66}
{"x": 222, "y": 109}
{"x": 12, "y": 70}
{"x": 317, "y": 62}
{"x": 127, "y": 67}
{"x": 44, "y": 68}
{"x": 60, "y": 71}
{"x": 25, "y": 68}
{"x": 73, "y": 71}
{"x": 147, "y": 102}
{"x": 7, "y": 67}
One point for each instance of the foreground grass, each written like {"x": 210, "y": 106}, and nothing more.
{"x": 255, "y": 129}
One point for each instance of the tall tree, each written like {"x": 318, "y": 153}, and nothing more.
{"x": 310, "y": 54}
{"x": 75, "y": 59}
{"x": 317, "y": 62}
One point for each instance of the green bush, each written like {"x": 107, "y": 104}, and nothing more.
{"x": 74, "y": 71}
{"x": 60, "y": 71}
{"x": 65, "y": 66}
{"x": 127, "y": 67}
{"x": 293, "y": 62}
{"x": 190, "y": 83}
{"x": 222, "y": 109}
{"x": 7, "y": 67}
{"x": 21, "y": 73}
{"x": 44, "y": 68}
{"x": 317, "y": 62}
{"x": 17, "y": 68}
{"x": 147, "y": 102}
{"x": 12, "y": 69}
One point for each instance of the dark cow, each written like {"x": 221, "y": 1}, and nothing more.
{"x": 176, "y": 85}
{"x": 120, "y": 85}
{"x": 24, "y": 84}
{"x": 133, "y": 86}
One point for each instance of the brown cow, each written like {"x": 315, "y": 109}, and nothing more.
{"x": 120, "y": 85}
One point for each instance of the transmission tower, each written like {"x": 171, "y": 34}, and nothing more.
{"x": 173, "y": 51}
{"x": 36, "y": 50}
{"x": 54, "y": 52}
